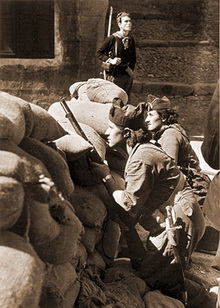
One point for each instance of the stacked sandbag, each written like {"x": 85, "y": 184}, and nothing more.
{"x": 97, "y": 90}
{"x": 22, "y": 272}
{"x": 34, "y": 186}
{"x": 54, "y": 208}
{"x": 93, "y": 114}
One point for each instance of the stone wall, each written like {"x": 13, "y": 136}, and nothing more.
{"x": 79, "y": 28}
{"x": 177, "y": 53}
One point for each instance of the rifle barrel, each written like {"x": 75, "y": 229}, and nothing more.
{"x": 69, "y": 115}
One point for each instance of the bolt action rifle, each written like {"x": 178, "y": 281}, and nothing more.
{"x": 173, "y": 237}
{"x": 105, "y": 65}
{"x": 69, "y": 115}
{"x": 132, "y": 232}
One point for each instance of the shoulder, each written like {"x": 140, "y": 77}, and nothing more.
{"x": 148, "y": 152}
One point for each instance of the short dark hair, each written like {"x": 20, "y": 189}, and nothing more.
{"x": 169, "y": 115}
{"x": 120, "y": 15}
{"x": 142, "y": 135}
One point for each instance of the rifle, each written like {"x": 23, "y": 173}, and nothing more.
{"x": 69, "y": 115}
{"x": 173, "y": 237}
{"x": 133, "y": 239}
{"x": 108, "y": 33}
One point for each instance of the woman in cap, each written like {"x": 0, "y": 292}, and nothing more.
{"x": 162, "y": 122}
{"x": 152, "y": 182}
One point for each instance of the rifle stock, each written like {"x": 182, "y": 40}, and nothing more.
{"x": 173, "y": 237}
{"x": 94, "y": 155}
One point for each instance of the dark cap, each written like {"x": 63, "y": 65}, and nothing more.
{"x": 157, "y": 103}
{"x": 127, "y": 115}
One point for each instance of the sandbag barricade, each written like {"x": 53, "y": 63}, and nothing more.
{"x": 58, "y": 234}
{"x": 97, "y": 90}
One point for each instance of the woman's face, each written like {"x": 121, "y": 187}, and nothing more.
{"x": 153, "y": 121}
{"x": 114, "y": 134}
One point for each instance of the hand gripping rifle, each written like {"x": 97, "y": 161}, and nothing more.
{"x": 132, "y": 232}
{"x": 69, "y": 115}
{"x": 173, "y": 237}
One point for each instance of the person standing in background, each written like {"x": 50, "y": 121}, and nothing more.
{"x": 118, "y": 52}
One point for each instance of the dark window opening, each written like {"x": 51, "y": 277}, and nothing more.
{"x": 27, "y": 28}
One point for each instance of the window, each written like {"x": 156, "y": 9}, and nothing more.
{"x": 27, "y": 28}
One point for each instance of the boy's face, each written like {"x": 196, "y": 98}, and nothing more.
{"x": 125, "y": 23}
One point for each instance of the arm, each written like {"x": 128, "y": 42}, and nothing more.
{"x": 139, "y": 183}
{"x": 103, "y": 52}
{"x": 170, "y": 143}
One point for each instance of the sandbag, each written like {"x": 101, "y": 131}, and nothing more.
{"x": 122, "y": 269}
{"x": 19, "y": 267}
{"x": 15, "y": 114}
{"x": 54, "y": 162}
{"x": 103, "y": 91}
{"x": 73, "y": 145}
{"x": 79, "y": 261}
{"x": 93, "y": 137}
{"x": 78, "y": 90}
{"x": 11, "y": 201}
{"x": 33, "y": 168}
{"x": 60, "y": 288}
{"x": 7, "y": 127}
{"x": 11, "y": 100}
{"x": 89, "y": 208}
{"x": 96, "y": 260}
{"x": 45, "y": 127}
{"x": 124, "y": 293}
{"x": 155, "y": 299}
{"x": 43, "y": 227}
{"x": 63, "y": 248}
{"x": 90, "y": 113}
{"x": 108, "y": 246}
{"x": 90, "y": 238}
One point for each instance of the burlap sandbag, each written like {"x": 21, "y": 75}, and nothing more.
{"x": 155, "y": 299}
{"x": 78, "y": 90}
{"x": 54, "y": 162}
{"x": 124, "y": 294}
{"x": 15, "y": 114}
{"x": 79, "y": 261}
{"x": 7, "y": 127}
{"x": 8, "y": 99}
{"x": 93, "y": 137}
{"x": 63, "y": 248}
{"x": 88, "y": 207}
{"x": 43, "y": 227}
{"x": 45, "y": 127}
{"x": 60, "y": 288}
{"x": 32, "y": 167}
{"x": 11, "y": 201}
{"x": 73, "y": 145}
{"x": 109, "y": 243}
{"x": 122, "y": 270}
{"x": 90, "y": 238}
{"x": 96, "y": 260}
{"x": 22, "y": 273}
{"x": 103, "y": 91}
{"x": 90, "y": 113}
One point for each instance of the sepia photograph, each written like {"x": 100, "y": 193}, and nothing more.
{"x": 109, "y": 154}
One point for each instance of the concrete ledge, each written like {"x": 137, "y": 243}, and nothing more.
{"x": 173, "y": 89}
{"x": 174, "y": 43}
